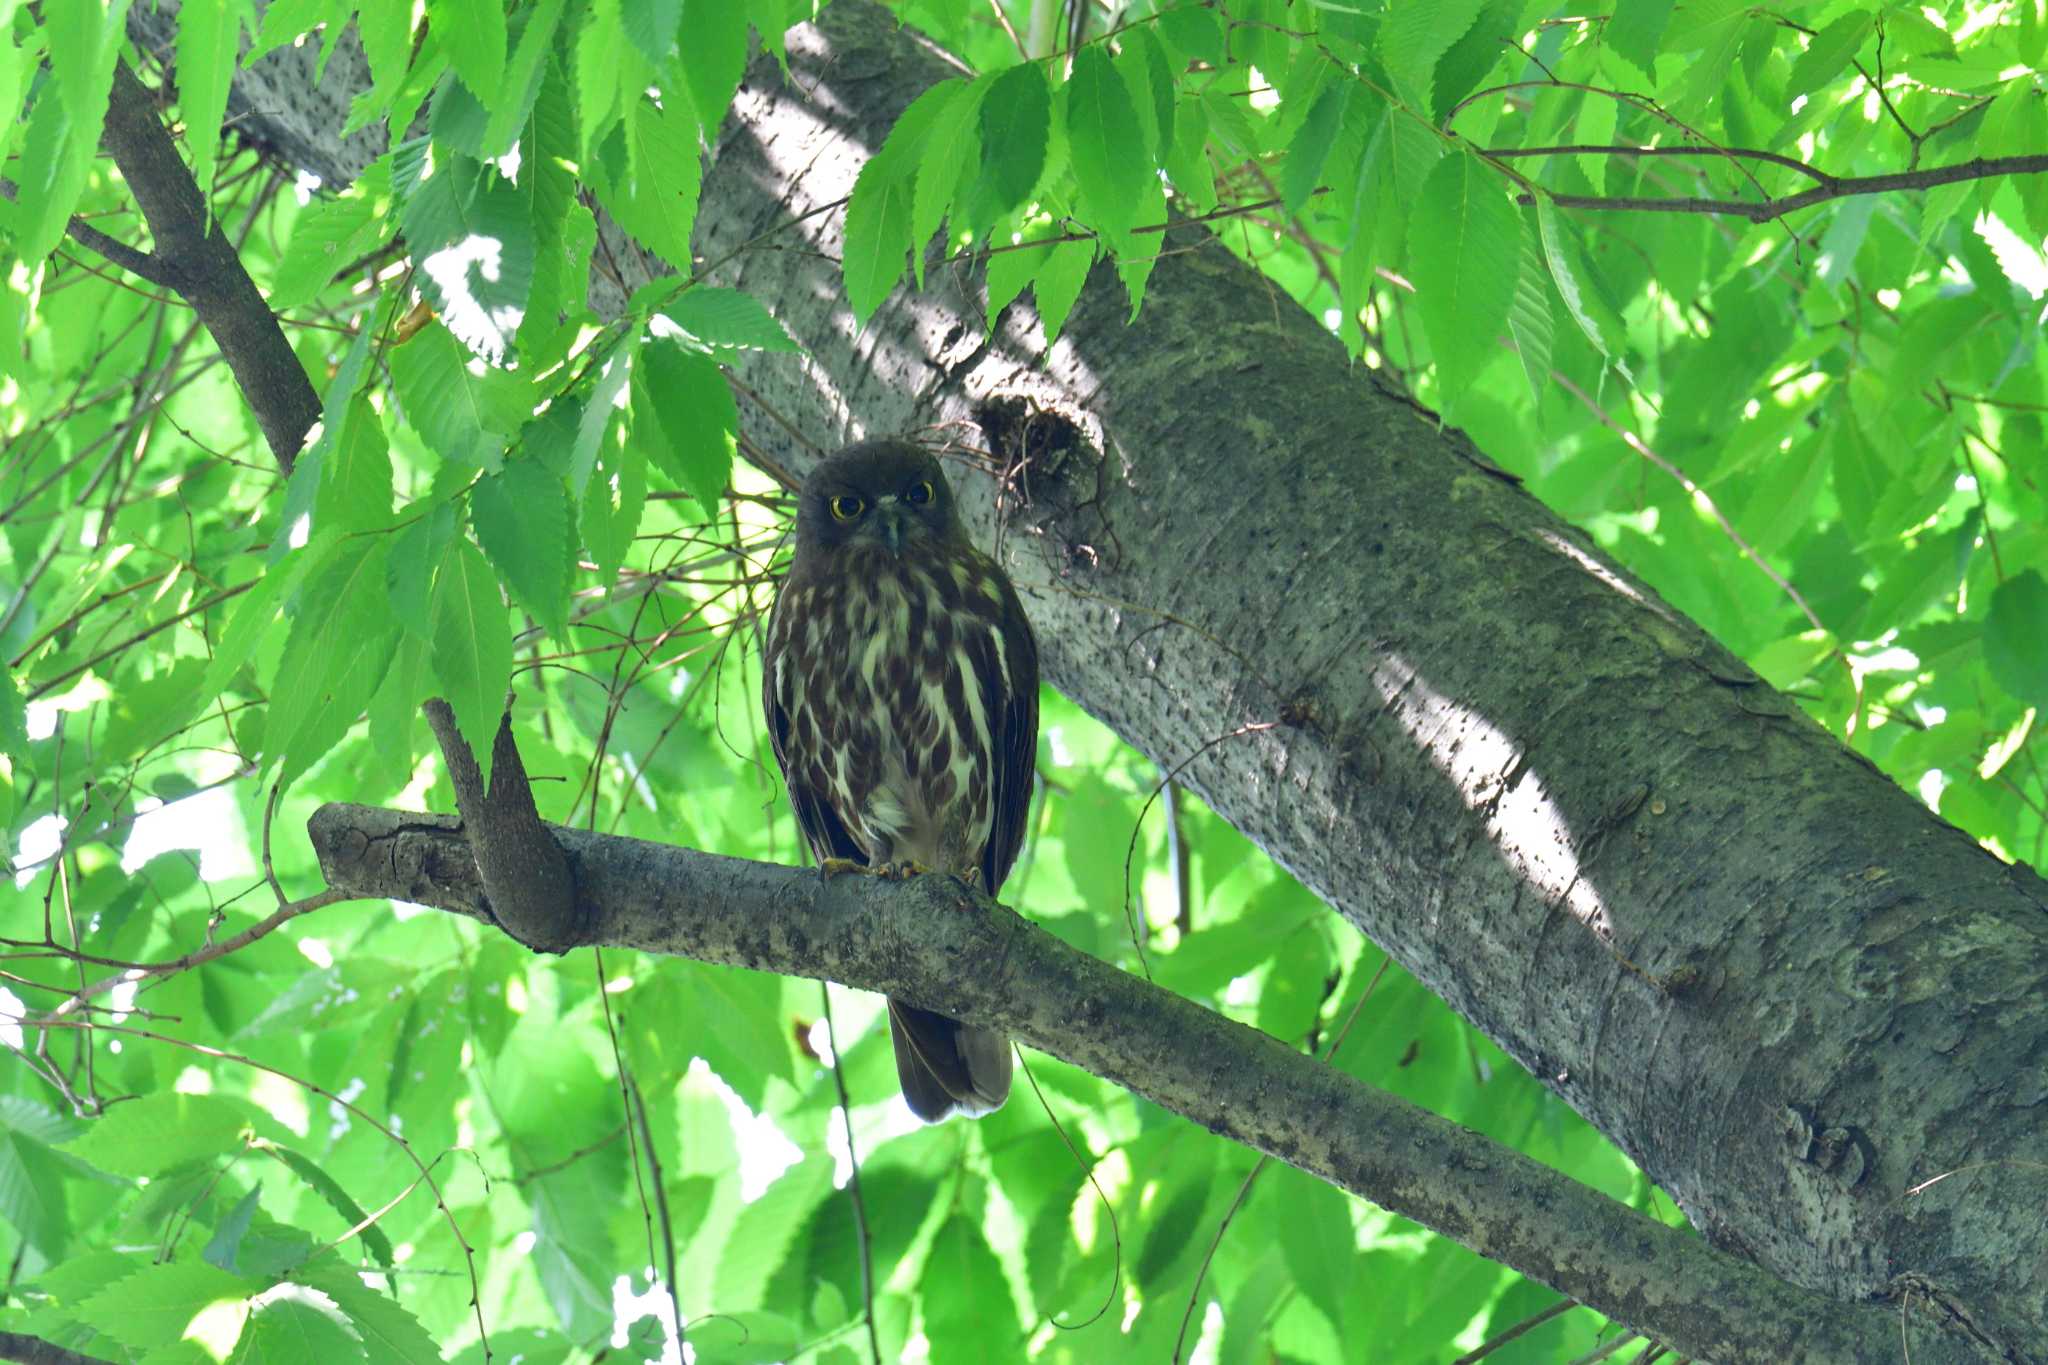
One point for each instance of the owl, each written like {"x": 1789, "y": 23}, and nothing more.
{"x": 901, "y": 693}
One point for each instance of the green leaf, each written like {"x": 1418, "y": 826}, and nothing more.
{"x": 209, "y": 36}
{"x": 1196, "y": 31}
{"x": 1637, "y": 29}
{"x": 355, "y": 476}
{"x": 416, "y": 552}
{"x": 1059, "y": 284}
{"x": 878, "y": 217}
{"x": 766, "y": 1229}
{"x": 1415, "y": 37}
{"x": 1111, "y": 166}
{"x": 32, "y": 1177}
{"x": 1311, "y": 146}
{"x": 1016, "y": 121}
{"x": 652, "y": 25}
{"x": 1561, "y": 254}
{"x": 714, "y": 56}
{"x": 327, "y": 235}
{"x": 1529, "y": 320}
{"x": 163, "y": 1304}
{"x": 728, "y": 317}
{"x": 341, "y": 641}
{"x": 336, "y": 1198}
{"x": 656, "y": 200}
{"x": 296, "y": 1327}
{"x": 227, "y": 1238}
{"x": 473, "y": 243}
{"x": 390, "y": 1335}
{"x": 952, "y": 149}
{"x": 13, "y": 718}
{"x": 149, "y": 1135}
{"x": 461, "y": 414}
{"x": 473, "y": 36}
{"x": 1829, "y": 51}
{"x": 472, "y": 647}
{"x": 64, "y": 126}
{"x": 613, "y": 503}
{"x": 523, "y": 76}
{"x": 1464, "y": 247}
{"x": 969, "y": 1313}
{"x": 522, "y": 517}
{"x": 2016, "y": 637}
{"x": 683, "y": 403}
{"x": 1316, "y": 1236}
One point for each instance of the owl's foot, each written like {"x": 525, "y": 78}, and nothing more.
{"x": 829, "y": 868}
{"x": 901, "y": 871}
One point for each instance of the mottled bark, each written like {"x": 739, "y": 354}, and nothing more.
{"x": 1779, "y": 983}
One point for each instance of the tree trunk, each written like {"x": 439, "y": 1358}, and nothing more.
{"x": 1813, "y": 1012}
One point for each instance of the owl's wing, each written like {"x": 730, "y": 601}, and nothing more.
{"x": 1010, "y": 699}
{"x": 823, "y": 830}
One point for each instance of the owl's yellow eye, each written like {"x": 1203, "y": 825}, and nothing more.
{"x": 920, "y": 493}
{"x": 847, "y": 506}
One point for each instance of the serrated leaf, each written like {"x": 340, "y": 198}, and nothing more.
{"x": 522, "y": 519}
{"x": 326, "y": 236}
{"x": 714, "y": 56}
{"x": 600, "y": 408}
{"x": 472, "y": 647}
{"x": 2016, "y": 637}
{"x": 341, "y": 642}
{"x": 32, "y": 1183}
{"x": 62, "y": 137}
{"x": 1561, "y": 255}
{"x": 728, "y": 317}
{"x": 13, "y": 718}
{"x": 1828, "y": 52}
{"x": 473, "y": 35}
{"x": 1311, "y": 145}
{"x": 473, "y": 242}
{"x": 1110, "y": 163}
{"x": 335, "y": 1197}
{"x": 149, "y": 1135}
{"x": 416, "y": 552}
{"x": 1016, "y": 120}
{"x": 968, "y": 1307}
{"x": 952, "y": 150}
{"x": 390, "y": 1335}
{"x": 1059, "y": 284}
{"x": 656, "y": 200}
{"x": 612, "y": 506}
{"x": 685, "y": 404}
{"x": 226, "y": 1242}
{"x": 296, "y": 1325}
{"x": 1196, "y": 31}
{"x": 651, "y": 26}
{"x": 524, "y": 75}
{"x": 1464, "y": 249}
{"x": 1415, "y": 37}
{"x": 355, "y": 476}
{"x": 462, "y": 415}
{"x": 766, "y": 1229}
{"x": 878, "y": 216}
{"x": 1637, "y": 29}
{"x": 1009, "y": 271}
{"x": 1529, "y": 320}
{"x": 209, "y": 36}
{"x": 158, "y": 1306}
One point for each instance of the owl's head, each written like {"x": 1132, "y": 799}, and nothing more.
{"x": 887, "y": 494}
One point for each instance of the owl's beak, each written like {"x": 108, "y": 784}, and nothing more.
{"x": 889, "y": 524}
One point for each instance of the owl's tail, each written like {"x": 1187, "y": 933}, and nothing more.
{"x": 945, "y": 1065}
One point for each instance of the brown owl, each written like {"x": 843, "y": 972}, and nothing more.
{"x": 901, "y": 689}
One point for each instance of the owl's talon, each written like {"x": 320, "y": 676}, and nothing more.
{"x": 901, "y": 871}
{"x": 829, "y": 868}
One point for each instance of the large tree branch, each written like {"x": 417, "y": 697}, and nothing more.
{"x": 193, "y": 256}
{"x": 911, "y": 940}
